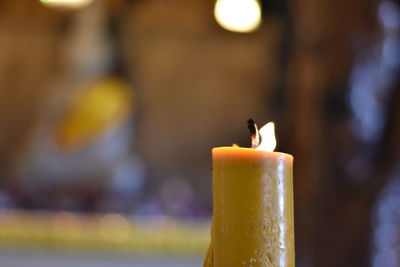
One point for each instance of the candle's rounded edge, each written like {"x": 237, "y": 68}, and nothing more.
{"x": 231, "y": 149}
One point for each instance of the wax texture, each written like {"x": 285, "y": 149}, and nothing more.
{"x": 252, "y": 208}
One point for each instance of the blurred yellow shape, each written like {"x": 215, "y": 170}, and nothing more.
{"x": 100, "y": 232}
{"x": 96, "y": 108}
{"x": 114, "y": 227}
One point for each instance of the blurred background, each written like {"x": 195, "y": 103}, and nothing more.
{"x": 109, "y": 110}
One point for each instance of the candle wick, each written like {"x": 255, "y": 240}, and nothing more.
{"x": 255, "y": 135}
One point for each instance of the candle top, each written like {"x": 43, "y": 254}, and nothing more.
{"x": 245, "y": 152}
{"x": 263, "y": 143}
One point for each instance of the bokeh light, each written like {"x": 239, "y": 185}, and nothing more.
{"x": 67, "y": 3}
{"x": 238, "y": 15}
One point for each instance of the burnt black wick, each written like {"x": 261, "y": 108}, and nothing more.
{"x": 255, "y": 136}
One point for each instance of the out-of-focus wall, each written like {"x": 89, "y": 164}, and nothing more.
{"x": 196, "y": 84}
{"x": 29, "y": 56}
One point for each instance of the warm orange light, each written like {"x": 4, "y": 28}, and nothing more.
{"x": 268, "y": 140}
{"x": 67, "y": 3}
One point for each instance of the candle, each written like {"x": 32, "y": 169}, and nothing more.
{"x": 253, "y": 204}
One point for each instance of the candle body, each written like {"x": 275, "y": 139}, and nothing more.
{"x": 253, "y": 208}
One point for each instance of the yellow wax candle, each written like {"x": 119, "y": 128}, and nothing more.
{"x": 253, "y": 208}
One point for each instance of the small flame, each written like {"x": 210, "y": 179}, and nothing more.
{"x": 268, "y": 140}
